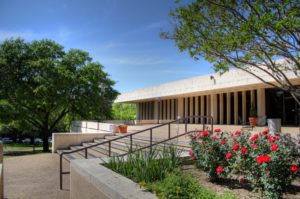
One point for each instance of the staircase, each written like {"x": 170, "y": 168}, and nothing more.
{"x": 118, "y": 145}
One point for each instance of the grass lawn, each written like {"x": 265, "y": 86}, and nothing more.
{"x": 16, "y": 149}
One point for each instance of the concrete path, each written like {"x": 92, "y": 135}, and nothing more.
{"x": 34, "y": 177}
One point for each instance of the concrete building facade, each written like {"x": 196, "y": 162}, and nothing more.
{"x": 227, "y": 98}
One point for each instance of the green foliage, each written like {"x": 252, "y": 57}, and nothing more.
{"x": 267, "y": 162}
{"x": 146, "y": 166}
{"x": 122, "y": 111}
{"x": 179, "y": 185}
{"x": 41, "y": 84}
{"x": 242, "y": 34}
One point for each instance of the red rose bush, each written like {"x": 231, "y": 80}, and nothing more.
{"x": 263, "y": 160}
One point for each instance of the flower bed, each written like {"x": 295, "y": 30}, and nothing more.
{"x": 263, "y": 160}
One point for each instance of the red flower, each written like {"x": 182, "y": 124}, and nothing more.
{"x": 223, "y": 142}
{"x": 236, "y": 147}
{"x": 217, "y": 130}
{"x": 219, "y": 169}
{"x": 234, "y": 139}
{"x": 265, "y": 132}
{"x": 237, "y": 133}
{"x": 244, "y": 150}
{"x": 214, "y": 138}
{"x": 204, "y": 133}
{"x": 253, "y": 146}
{"x": 268, "y": 136}
{"x": 191, "y": 153}
{"x": 202, "y": 142}
{"x": 267, "y": 158}
{"x": 196, "y": 135}
{"x": 254, "y": 137}
{"x": 228, "y": 155}
{"x": 294, "y": 168}
{"x": 274, "y": 147}
{"x": 260, "y": 159}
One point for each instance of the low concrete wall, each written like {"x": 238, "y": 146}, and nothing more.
{"x": 89, "y": 179}
{"x": 93, "y": 127}
{"x": 65, "y": 140}
{"x": 1, "y": 172}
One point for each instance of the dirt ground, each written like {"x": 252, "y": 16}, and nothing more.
{"x": 234, "y": 187}
{"x": 34, "y": 177}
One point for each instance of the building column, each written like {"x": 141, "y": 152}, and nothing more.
{"x": 161, "y": 110}
{"x": 186, "y": 108}
{"x": 228, "y": 109}
{"x": 168, "y": 109}
{"x": 202, "y": 108}
{"x": 191, "y": 109}
{"x": 221, "y": 116}
{"x": 196, "y": 109}
{"x": 137, "y": 113}
{"x": 236, "y": 108}
{"x": 261, "y": 102}
{"x": 156, "y": 114}
{"x": 165, "y": 109}
{"x": 172, "y": 109}
{"x": 244, "y": 107}
{"x": 208, "y": 105}
{"x": 214, "y": 107}
{"x": 180, "y": 107}
{"x": 252, "y": 97}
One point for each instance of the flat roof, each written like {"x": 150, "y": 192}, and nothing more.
{"x": 234, "y": 79}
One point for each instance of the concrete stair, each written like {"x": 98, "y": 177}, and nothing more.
{"x": 120, "y": 146}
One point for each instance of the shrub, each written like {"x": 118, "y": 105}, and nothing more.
{"x": 146, "y": 166}
{"x": 266, "y": 161}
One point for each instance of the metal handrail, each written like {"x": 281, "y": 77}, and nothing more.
{"x": 130, "y": 135}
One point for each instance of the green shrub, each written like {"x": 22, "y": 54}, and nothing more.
{"x": 147, "y": 166}
{"x": 178, "y": 185}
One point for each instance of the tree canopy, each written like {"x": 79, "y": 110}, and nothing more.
{"x": 249, "y": 35}
{"x": 41, "y": 84}
{"x": 122, "y": 111}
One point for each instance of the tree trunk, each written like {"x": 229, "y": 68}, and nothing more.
{"x": 45, "y": 141}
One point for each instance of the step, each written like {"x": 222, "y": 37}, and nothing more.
{"x": 69, "y": 157}
{"x": 82, "y": 152}
{"x": 102, "y": 149}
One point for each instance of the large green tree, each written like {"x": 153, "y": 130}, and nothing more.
{"x": 41, "y": 84}
{"x": 123, "y": 111}
{"x": 249, "y": 35}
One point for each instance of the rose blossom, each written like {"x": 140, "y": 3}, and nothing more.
{"x": 260, "y": 159}
{"x": 253, "y": 146}
{"x": 219, "y": 169}
{"x": 197, "y": 135}
{"x": 223, "y": 142}
{"x": 265, "y": 132}
{"x": 274, "y": 147}
{"x": 294, "y": 168}
{"x": 204, "y": 133}
{"x": 236, "y": 147}
{"x": 217, "y": 130}
{"x": 214, "y": 138}
{"x": 191, "y": 153}
{"x": 237, "y": 133}
{"x": 267, "y": 158}
{"x": 228, "y": 155}
{"x": 244, "y": 150}
{"x": 254, "y": 137}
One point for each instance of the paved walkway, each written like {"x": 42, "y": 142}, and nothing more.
{"x": 34, "y": 177}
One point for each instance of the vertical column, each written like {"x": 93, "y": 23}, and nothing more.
{"x": 202, "y": 108}
{"x": 191, "y": 113}
{"x": 146, "y": 111}
{"x": 168, "y": 109}
{"x": 186, "y": 107}
{"x": 244, "y": 107}
{"x": 213, "y": 107}
{"x": 161, "y": 110}
{"x": 137, "y": 114}
{"x": 165, "y": 109}
{"x": 228, "y": 109}
{"x": 236, "y": 108}
{"x": 208, "y": 105}
{"x": 180, "y": 107}
{"x": 252, "y": 97}
{"x": 172, "y": 109}
{"x": 261, "y": 102}
{"x": 196, "y": 109}
{"x": 155, "y": 109}
{"x": 221, "y": 105}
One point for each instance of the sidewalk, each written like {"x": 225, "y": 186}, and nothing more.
{"x": 34, "y": 177}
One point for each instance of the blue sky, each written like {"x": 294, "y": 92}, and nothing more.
{"x": 123, "y": 35}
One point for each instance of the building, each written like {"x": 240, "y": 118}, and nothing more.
{"x": 227, "y": 98}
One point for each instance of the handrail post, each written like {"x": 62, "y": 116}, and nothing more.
{"x": 185, "y": 120}
{"x": 60, "y": 171}
{"x": 86, "y": 153}
{"x": 130, "y": 143}
{"x": 212, "y": 124}
{"x": 150, "y": 140}
{"x": 109, "y": 148}
{"x": 169, "y": 130}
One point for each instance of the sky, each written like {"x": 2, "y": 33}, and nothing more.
{"x": 122, "y": 35}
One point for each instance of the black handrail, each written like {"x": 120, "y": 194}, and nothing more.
{"x": 185, "y": 120}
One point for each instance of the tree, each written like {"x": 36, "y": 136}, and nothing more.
{"x": 41, "y": 84}
{"x": 121, "y": 111}
{"x": 249, "y": 35}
